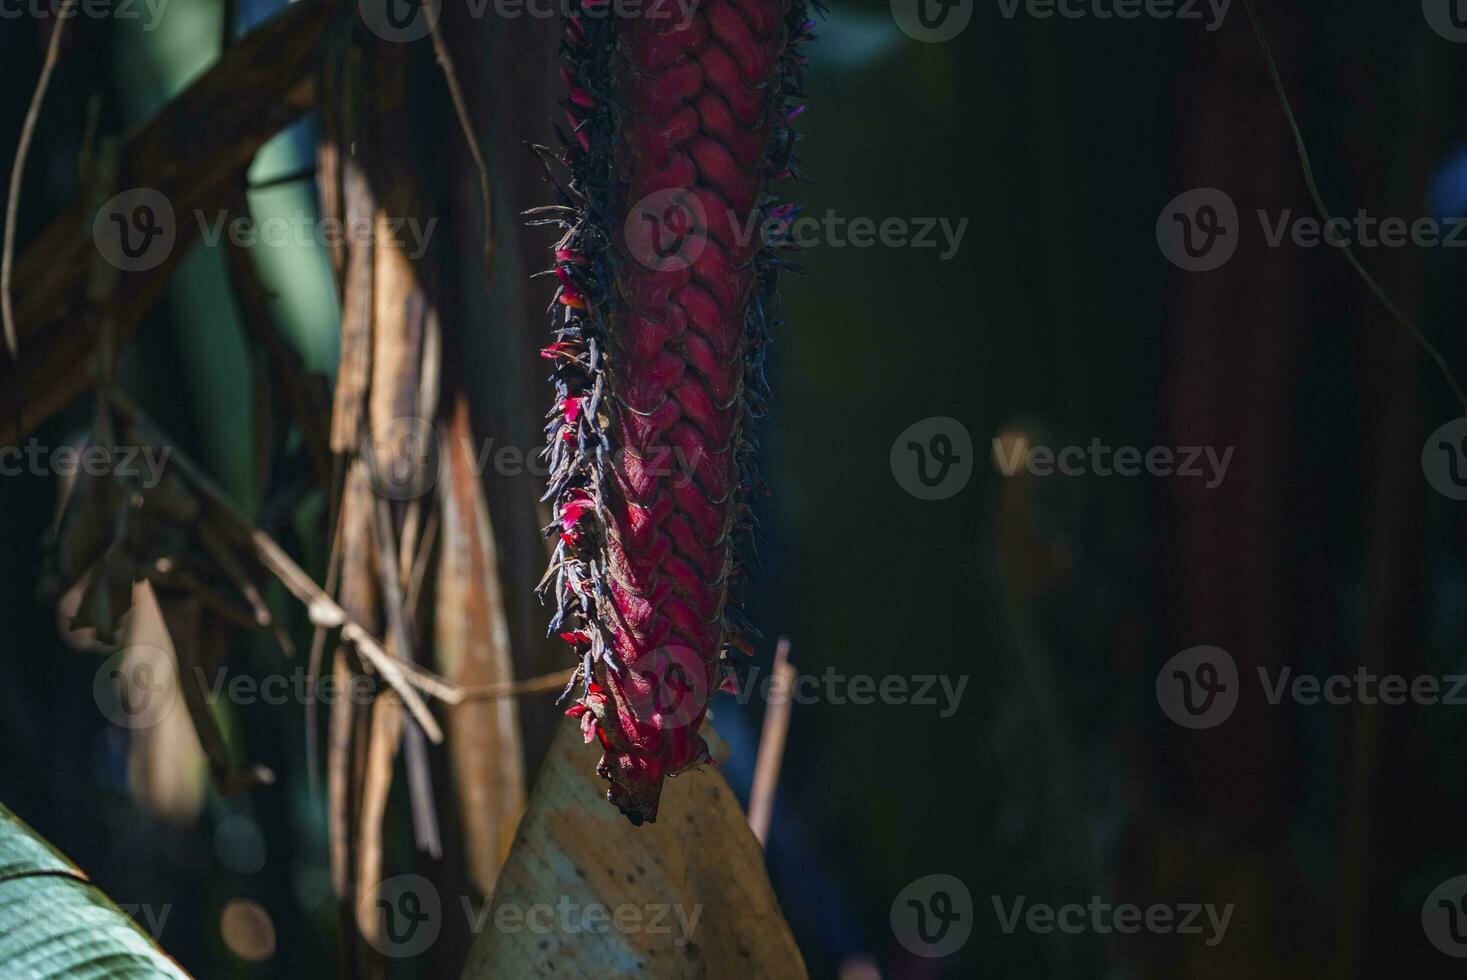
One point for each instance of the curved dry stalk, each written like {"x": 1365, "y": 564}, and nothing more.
{"x": 22, "y": 150}
{"x": 323, "y": 610}
{"x": 1375, "y": 287}
{"x": 511, "y": 689}
{"x": 461, "y": 108}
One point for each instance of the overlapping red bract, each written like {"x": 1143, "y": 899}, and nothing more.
{"x": 658, "y": 365}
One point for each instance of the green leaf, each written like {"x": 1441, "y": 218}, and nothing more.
{"x": 55, "y": 923}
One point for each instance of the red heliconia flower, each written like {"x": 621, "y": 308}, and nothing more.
{"x": 578, "y": 504}
{"x": 680, "y": 119}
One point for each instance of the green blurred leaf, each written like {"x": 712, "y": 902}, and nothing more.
{"x": 55, "y": 923}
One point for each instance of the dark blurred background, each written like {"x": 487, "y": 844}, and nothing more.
{"x": 1054, "y": 600}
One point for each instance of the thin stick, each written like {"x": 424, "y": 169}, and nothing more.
{"x": 420, "y": 564}
{"x": 420, "y": 780}
{"x": 22, "y": 150}
{"x": 323, "y": 610}
{"x": 771, "y": 742}
{"x": 510, "y": 689}
{"x": 313, "y": 668}
{"x": 461, "y": 107}
{"x": 1375, "y": 287}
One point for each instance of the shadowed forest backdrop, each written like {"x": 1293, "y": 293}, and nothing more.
{"x": 1057, "y": 776}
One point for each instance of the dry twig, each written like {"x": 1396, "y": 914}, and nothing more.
{"x": 17, "y": 172}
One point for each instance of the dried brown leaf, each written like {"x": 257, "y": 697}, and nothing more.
{"x": 699, "y": 859}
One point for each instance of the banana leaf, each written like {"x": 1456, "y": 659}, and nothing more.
{"x": 56, "y": 923}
